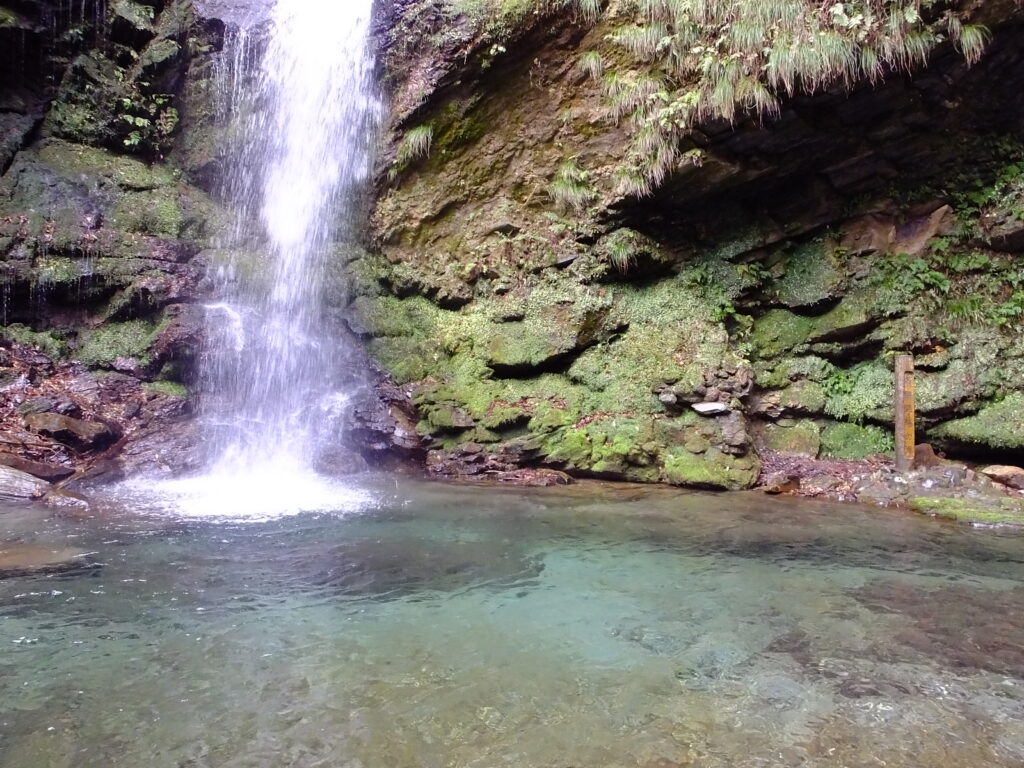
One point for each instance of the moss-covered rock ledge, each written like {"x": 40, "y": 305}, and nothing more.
{"x": 101, "y": 231}
{"x": 658, "y": 243}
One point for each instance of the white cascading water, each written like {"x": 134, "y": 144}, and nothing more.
{"x": 303, "y": 114}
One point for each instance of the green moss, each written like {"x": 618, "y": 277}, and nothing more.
{"x": 126, "y": 172}
{"x": 55, "y": 270}
{"x": 670, "y": 338}
{"x": 862, "y": 391}
{"x": 549, "y": 416}
{"x": 791, "y": 369}
{"x": 1000, "y": 425}
{"x": 779, "y": 331}
{"x": 50, "y": 343}
{"x": 813, "y": 274}
{"x": 136, "y": 14}
{"x": 387, "y": 316}
{"x": 406, "y": 359}
{"x": 155, "y": 212}
{"x": 9, "y": 18}
{"x": 801, "y": 437}
{"x": 803, "y": 397}
{"x": 1004, "y": 511}
{"x": 614, "y": 445}
{"x": 168, "y": 388}
{"x": 710, "y": 469}
{"x": 159, "y": 52}
{"x": 460, "y": 123}
{"x": 102, "y": 346}
{"x": 856, "y": 313}
{"x": 853, "y": 441}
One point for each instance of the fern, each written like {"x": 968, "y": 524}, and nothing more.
{"x": 719, "y": 59}
{"x": 570, "y": 190}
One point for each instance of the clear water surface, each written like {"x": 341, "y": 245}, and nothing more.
{"x": 436, "y": 626}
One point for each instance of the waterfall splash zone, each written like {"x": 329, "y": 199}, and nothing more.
{"x": 275, "y": 376}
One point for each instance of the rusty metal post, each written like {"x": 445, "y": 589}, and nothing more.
{"x": 906, "y": 409}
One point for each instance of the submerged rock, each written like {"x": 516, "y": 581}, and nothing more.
{"x": 18, "y": 559}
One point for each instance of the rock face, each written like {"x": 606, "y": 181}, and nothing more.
{"x": 99, "y": 230}
{"x": 580, "y": 259}
{"x": 539, "y": 302}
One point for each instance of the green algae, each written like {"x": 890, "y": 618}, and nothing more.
{"x": 1001, "y": 512}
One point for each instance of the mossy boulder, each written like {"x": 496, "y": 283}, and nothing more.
{"x": 1000, "y": 425}
{"x": 710, "y": 469}
{"x": 542, "y": 338}
{"x": 613, "y": 446}
{"x": 778, "y": 332}
{"x": 813, "y": 274}
{"x": 855, "y": 315}
{"x": 802, "y": 397}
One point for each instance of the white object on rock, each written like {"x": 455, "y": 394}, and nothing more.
{"x": 710, "y": 409}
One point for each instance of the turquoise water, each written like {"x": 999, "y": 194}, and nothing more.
{"x": 583, "y": 627}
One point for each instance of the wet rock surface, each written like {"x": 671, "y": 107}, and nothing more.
{"x": 16, "y": 485}
{"x": 75, "y": 433}
{"x": 114, "y": 413}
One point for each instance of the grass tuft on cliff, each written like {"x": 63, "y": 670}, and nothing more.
{"x": 694, "y": 61}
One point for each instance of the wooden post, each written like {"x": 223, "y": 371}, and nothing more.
{"x": 905, "y": 413}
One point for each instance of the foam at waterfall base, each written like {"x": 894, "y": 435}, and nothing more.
{"x": 257, "y": 493}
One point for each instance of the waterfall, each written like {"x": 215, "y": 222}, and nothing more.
{"x": 305, "y": 122}
{"x": 298, "y": 95}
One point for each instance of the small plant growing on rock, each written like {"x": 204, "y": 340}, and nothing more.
{"x": 570, "y": 189}
{"x": 414, "y": 146}
{"x": 591, "y": 64}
